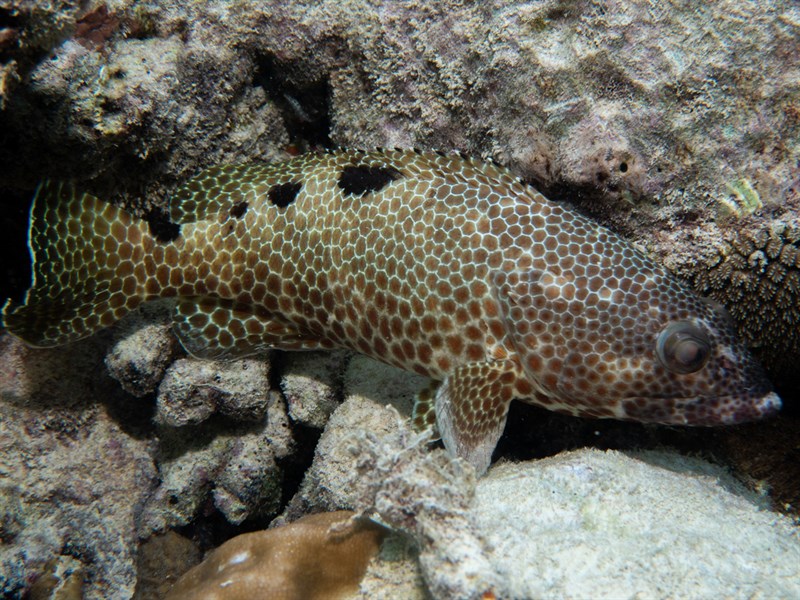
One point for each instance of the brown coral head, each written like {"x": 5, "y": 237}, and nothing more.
{"x": 320, "y": 556}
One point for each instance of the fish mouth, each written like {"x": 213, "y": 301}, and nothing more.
{"x": 703, "y": 411}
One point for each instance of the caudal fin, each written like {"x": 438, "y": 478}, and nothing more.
{"x": 88, "y": 263}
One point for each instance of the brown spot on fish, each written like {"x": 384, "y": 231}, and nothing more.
{"x": 238, "y": 210}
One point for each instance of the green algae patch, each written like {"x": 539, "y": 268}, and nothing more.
{"x": 740, "y": 200}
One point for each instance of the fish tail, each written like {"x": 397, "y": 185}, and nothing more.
{"x": 88, "y": 267}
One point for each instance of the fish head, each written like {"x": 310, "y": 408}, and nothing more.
{"x": 636, "y": 346}
{"x": 696, "y": 371}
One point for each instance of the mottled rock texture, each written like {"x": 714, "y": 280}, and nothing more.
{"x": 312, "y": 385}
{"x": 233, "y": 467}
{"x": 581, "y": 524}
{"x": 84, "y": 474}
{"x": 369, "y": 460}
{"x": 368, "y": 386}
{"x": 394, "y": 573}
{"x": 192, "y": 390}
{"x": 145, "y": 348}
{"x": 72, "y": 478}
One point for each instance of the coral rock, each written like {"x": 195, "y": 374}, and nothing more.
{"x": 250, "y": 483}
{"x": 141, "y": 357}
{"x": 192, "y": 390}
{"x": 329, "y": 483}
{"x": 311, "y": 382}
{"x": 72, "y": 479}
{"x": 369, "y": 459}
{"x": 609, "y": 525}
{"x": 379, "y": 383}
{"x": 235, "y": 467}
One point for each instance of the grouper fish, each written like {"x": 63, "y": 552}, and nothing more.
{"x": 438, "y": 264}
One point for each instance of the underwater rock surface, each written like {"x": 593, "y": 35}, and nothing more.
{"x": 311, "y": 383}
{"x": 469, "y": 536}
{"x": 72, "y": 480}
{"x": 611, "y": 525}
{"x": 192, "y": 390}
{"x": 585, "y": 523}
{"x": 141, "y": 355}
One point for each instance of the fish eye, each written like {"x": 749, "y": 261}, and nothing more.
{"x": 683, "y": 347}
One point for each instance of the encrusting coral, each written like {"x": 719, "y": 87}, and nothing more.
{"x": 756, "y": 275}
{"x": 320, "y": 556}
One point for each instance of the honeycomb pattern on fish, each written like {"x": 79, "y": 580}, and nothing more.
{"x": 438, "y": 264}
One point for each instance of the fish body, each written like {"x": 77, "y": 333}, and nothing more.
{"x": 438, "y": 264}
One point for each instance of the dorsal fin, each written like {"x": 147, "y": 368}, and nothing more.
{"x": 220, "y": 188}
{"x": 458, "y": 161}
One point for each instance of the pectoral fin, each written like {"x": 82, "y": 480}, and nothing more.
{"x": 547, "y": 299}
{"x": 471, "y": 409}
{"x": 424, "y": 414}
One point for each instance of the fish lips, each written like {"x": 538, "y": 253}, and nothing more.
{"x": 702, "y": 411}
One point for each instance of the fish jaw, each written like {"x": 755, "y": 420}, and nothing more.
{"x": 704, "y": 412}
